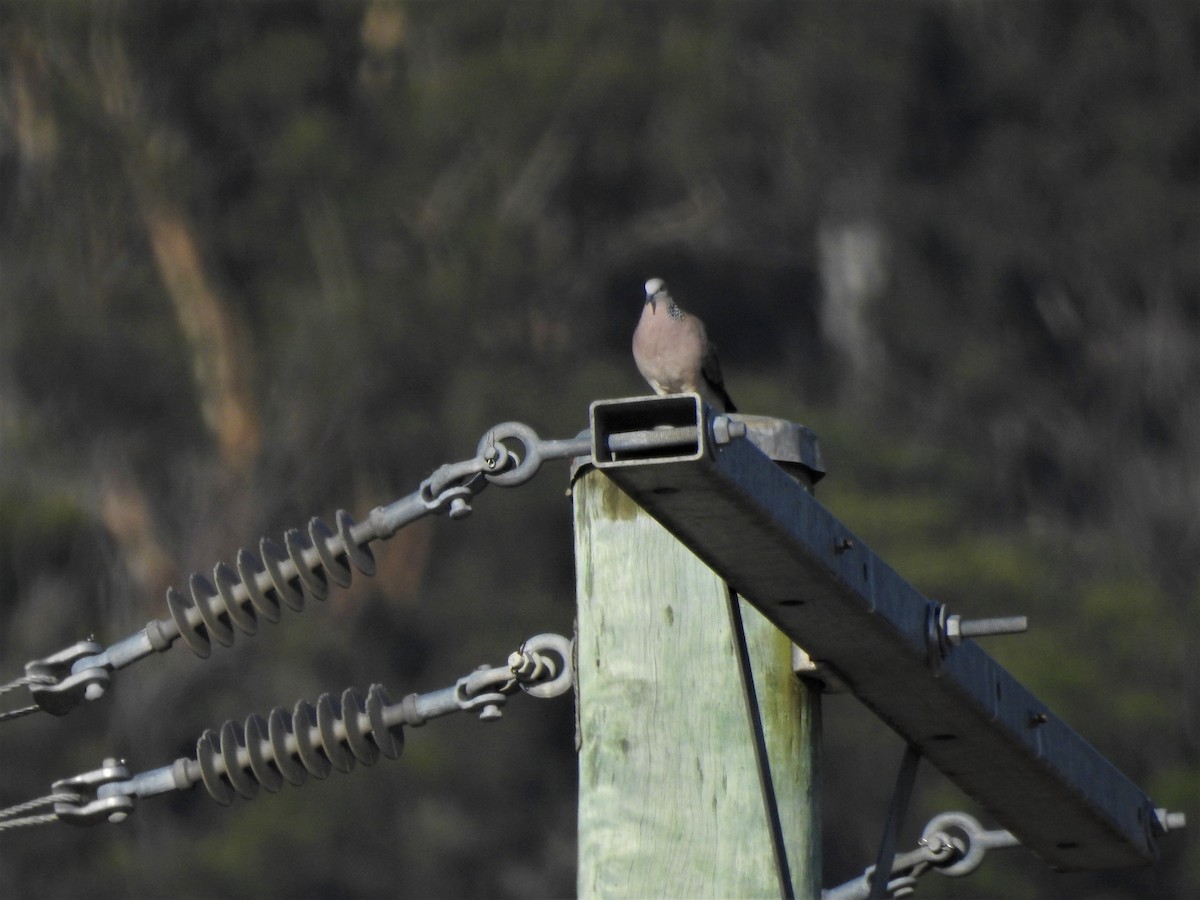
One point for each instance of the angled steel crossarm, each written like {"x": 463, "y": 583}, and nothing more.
{"x": 821, "y": 585}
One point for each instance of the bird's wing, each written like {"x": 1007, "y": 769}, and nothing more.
{"x": 710, "y": 369}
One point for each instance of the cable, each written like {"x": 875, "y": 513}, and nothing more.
{"x": 23, "y": 681}
{"x": 761, "y": 756}
{"x": 7, "y": 822}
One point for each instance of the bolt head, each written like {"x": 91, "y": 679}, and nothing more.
{"x": 720, "y": 427}
{"x": 93, "y": 691}
{"x": 490, "y": 713}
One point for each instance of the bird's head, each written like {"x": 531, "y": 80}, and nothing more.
{"x": 656, "y": 289}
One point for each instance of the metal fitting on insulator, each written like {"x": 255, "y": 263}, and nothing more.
{"x": 485, "y": 691}
{"x": 263, "y": 584}
{"x": 56, "y": 688}
{"x": 459, "y": 507}
{"x": 452, "y": 486}
{"x": 969, "y": 841}
{"x": 91, "y": 809}
{"x": 288, "y": 748}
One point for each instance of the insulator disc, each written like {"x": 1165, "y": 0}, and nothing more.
{"x": 328, "y": 717}
{"x": 360, "y": 555}
{"x": 287, "y": 591}
{"x": 390, "y": 741}
{"x": 265, "y": 603}
{"x": 334, "y": 564}
{"x": 203, "y": 595}
{"x": 312, "y": 581}
{"x": 242, "y": 616}
{"x": 232, "y": 740}
{"x": 304, "y": 720}
{"x": 258, "y": 749}
{"x": 361, "y": 746}
{"x": 195, "y": 636}
{"x": 279, "y": 731}
{"x": 208, "y": 750}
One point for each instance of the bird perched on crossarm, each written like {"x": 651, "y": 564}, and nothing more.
{"x": 673, "y": 353}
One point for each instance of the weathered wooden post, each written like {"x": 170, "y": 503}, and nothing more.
{"x": 672, "y": 795}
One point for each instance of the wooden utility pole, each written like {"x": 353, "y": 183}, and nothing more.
{"x": 671, "y": 796}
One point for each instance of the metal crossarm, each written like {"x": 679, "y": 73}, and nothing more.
{"x": 822, "y": 586}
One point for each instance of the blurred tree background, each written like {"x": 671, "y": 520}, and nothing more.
{"x": 263, "y": 260}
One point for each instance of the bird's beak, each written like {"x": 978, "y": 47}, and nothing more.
{"x": 654, "y": 287}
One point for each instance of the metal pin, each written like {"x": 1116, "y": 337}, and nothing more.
{"x": 957, "y": 628}
{"x": 1171, "y": 821}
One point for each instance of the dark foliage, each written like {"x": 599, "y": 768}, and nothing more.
{"x": 259, "y": 261}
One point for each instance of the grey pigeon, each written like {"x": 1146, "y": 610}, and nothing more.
{"x": 673, "y": 353}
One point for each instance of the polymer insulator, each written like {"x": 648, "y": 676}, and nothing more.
{"x": 335, "y": 734}
{"x": 262, "y": 584}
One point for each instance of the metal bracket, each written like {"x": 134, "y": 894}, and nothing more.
{"x": 67, "y": 689}
{"x": 113, "y": 808}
